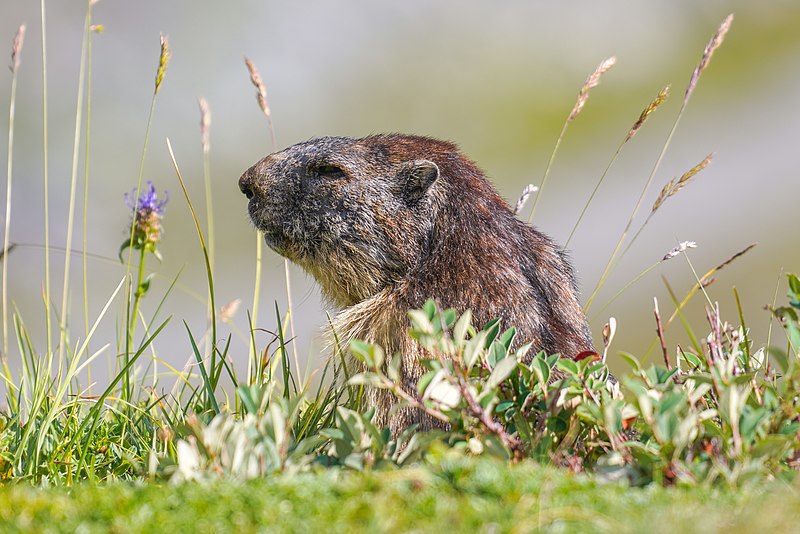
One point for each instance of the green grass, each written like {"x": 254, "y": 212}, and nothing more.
{"x": 447, "y": 496}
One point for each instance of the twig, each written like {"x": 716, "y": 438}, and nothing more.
{"x": 660, "y": 331}
{"x": 413, "y": 401}
{"x": 513, "y": 443}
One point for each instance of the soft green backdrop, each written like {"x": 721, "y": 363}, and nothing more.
{"x": 498, "y": 78}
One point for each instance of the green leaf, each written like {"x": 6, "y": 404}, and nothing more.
{"x": 420, "y": 322}
{"x": 523, "y": 427}
{"x": 500, "y": 372}
{"x": 750, "y": 420}
{"x": 779, "y": 358}
{"x": 449, "y": 317}
{"x": 144, "y": 286}
{"x": 568, "y": 366}
{"x": 122, "y": 248}
{"x": 508, "y": 337}
{"x": 474, "y": 348}
{"x": 250, "y": 397}
{"x": 425, "y": 381}
{"x": 523, "y": 351}
{"x": 541, "y": 369}
{"x": 497, "y": 352}
{"x": 492, "y": 328}
{"x": 503, "y": 406}
{"x": 393, "y": 369}
{"x": 461, "y": 327}
{"x": 429, "y": 308}
{"x": 632, "y": 360}
{"x": 794, "y": 286}
{"x": 366, "y": 379}
{"x": 372, "y": 355}
{"x": 774, "y": 446}
{"x": 692, "y": 360}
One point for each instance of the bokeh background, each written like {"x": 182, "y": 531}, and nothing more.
{"x": 498, "y": 78}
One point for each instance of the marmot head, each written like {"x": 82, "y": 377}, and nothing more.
{"x": 356, "y": 214}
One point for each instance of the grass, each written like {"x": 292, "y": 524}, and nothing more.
{"x": 453, "y": 495}
{"x": 276, "y": 454}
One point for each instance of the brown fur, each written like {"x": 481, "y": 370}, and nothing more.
{"x": 385, "y": 222}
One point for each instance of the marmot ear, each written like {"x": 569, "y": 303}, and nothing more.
{"x": 419, "y": 176}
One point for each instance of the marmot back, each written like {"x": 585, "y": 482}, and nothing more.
{"x": 386, "y": 222}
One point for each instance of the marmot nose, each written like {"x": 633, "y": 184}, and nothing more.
{"x": 245, "y": 186}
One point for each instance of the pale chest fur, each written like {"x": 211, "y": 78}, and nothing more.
{"x": 380, "y": 320}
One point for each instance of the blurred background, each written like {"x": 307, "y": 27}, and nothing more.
{"x": 496, "y": 78}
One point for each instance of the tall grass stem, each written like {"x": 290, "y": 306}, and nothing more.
{"x": 17, "y": 49}
{"x": 46, "y": 183}
{"x": 63, "y": 338}
{"x": 203, "y": 246}
{"x": 86, "y": 145}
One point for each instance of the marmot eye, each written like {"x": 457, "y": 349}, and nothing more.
{"x": 327, "y": 170}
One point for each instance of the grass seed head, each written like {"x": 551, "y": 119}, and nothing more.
{"x": 651, "y": 107}
{"x": 229, "y": 310}
{"x": 16, "y": 48}
{"x": 682, "y": 246}
{"x": 673, "y": 186}
{"x": 205, "y": 122}
{"x": 711, "y": 47}
{"x": 163, "y": 62}
{"x": 592, "y": 81}
{"x": 523, "y": 198}
{"x": 261, "y": 90}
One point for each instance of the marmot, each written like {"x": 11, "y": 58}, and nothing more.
{"x": 386, "y": 222}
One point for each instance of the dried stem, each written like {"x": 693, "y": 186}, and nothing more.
{"x": 46, "y": 183}
{"x": 263, "y": 104}
{"x": 512, "y": 443}
{"x": 413, "y": 401}
{"x": 583, "y": 95}
{"x": 705, "y": 278}
{"x": 63, "y": 339}
{"x": 16, "y": 50}
{"x": 660, "y": 332}
{"x": 648, "y": 110}
{"x": 708, "y": 52}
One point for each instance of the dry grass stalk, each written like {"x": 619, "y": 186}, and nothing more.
{"x": 16, "y": 48}
{"x": 660, "y": 332}
{"x": 261, "y": 90}
{"x": 205, "y": 123}
{"x": 673, "y": 186}
{"x": 682, "y": 246}
{"x": 651, "y": 107}
{"x": 707, "y": 279}
{"x": 523, "y": 198}
{"x": 163, "y": 62}
{"x": 229, "y": 310}
{"x": 711, "y": 47}
{"x": 609, "y": 330}
{"x": 592, "y": 81}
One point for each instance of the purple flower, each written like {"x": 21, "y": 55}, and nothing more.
{"x": 146, "y": 218}
{"x": 148, "y": 200}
